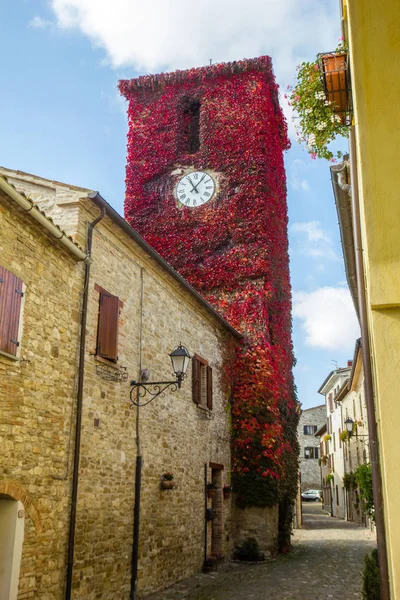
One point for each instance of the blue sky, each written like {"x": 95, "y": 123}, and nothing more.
{"x": 63, "y": 119}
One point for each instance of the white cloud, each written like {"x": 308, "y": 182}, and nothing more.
{"x": 296, "y": 168}
{"x": 170, "y": 34}
{"x": 312, "y": 240}
{"x": 328, "y": 318}
{"x": 39, "y": 23}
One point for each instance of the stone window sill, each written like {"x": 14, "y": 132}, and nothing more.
{"x": 9, "y": 356}
{"x": 107, "y": 362}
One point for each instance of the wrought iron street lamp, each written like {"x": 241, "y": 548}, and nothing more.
{"x": 148, "y": 391}
{"x": 349, "y": 423}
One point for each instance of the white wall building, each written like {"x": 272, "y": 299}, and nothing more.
{"x": 356, "y": 448}
{"x": 334, "y": 446}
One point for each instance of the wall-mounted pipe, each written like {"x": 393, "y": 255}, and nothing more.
{"x": 79, "y": 402}
{"x": 29, "y": 206}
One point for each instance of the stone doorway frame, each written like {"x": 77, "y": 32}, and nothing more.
{"x": 217, "y": 523}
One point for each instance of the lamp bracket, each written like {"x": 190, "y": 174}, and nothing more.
{"x": 153, "y": 389}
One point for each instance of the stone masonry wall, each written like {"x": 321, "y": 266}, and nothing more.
{"x": 176, "y": 434}
{"x": 259, "y": 522}
{"x": 309, "y": 468}
{"x": 37, "y": 397}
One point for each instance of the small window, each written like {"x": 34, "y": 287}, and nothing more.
{"x": 310, "y": 429}
{"x": 191, "y": 118}
{"x": 10, "y": 311}
{"x": 202, "y": 382}
{"x": 311, "y": 452}
{"x": 107, "y": 330}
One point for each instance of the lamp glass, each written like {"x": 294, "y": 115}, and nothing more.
{"x": 349, "y": 424}
{"x": 180, "y": 360}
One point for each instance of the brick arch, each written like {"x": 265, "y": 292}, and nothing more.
{"x": 18, "y": 492}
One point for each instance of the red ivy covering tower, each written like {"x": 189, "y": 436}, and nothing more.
{"x": 224, "y": 121}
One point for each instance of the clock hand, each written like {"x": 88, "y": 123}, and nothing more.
{"x": 195, "y": 187}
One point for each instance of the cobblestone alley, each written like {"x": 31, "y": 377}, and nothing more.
{"x": 326, "y": 562}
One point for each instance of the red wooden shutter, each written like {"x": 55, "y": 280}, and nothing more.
{"x": 10, "y": 309}
{"x": 209, "y": 388}
{"x": 196, "y": 380}
{"x": 107, "y": 332}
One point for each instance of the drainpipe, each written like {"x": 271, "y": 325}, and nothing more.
{"x": 368, "y": 381}
{"x": 78, "y": 425}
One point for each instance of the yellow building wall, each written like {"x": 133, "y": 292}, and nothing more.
{"x": 374, "y": 39}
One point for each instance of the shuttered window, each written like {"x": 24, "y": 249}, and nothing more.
{"x": 202, "y": 385}
{"x": 209, "y": 388}
{"x": 107, "y": 331}
{"x": 10, "y": 310}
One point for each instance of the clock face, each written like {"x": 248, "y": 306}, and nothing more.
{"x": 195, "y": 188}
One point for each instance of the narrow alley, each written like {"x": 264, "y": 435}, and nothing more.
{"x": 326, "y": 562}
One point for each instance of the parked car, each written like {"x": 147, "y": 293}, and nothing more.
{"x": 311, "y": 496}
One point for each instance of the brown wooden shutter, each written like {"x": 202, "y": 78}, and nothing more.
{"x": 209, "y": 388}
{"x": 196, "y": 380}
{"x": 107, "y": 332}
{"x": 10, "y": 310}
{"x": 330, "y": 402}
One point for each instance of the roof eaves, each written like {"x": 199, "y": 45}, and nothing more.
{"x": 34, "y": 207}
{"x": 342, "y": 195}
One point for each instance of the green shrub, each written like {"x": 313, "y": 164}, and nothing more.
{"x": 363, "y": 477}
{"x": 248, "y": 550}
{"x": 371, "y": 581}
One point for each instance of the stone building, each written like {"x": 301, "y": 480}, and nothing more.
{"x": 311, "y": 420}
{"x": 56, "y": 415}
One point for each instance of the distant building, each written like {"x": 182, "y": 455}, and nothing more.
{"x": 333, "y": 444}
{"x": 324, "y": 467}
{"x": 311, "y": 420}
{"x": 356, "y": 447}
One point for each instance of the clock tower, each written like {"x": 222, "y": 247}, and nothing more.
{"x": 205, "y": 186}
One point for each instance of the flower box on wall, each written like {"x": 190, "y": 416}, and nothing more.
{"x": 167, "y": 485}
{"x": 335, "y": 74}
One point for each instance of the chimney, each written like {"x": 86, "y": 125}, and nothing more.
{"x": 349, "y": 363}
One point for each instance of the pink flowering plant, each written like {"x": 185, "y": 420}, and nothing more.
{"x": 315, "y": 120}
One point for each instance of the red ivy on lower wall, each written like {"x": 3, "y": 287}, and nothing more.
{"x": 232, "y": 249}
